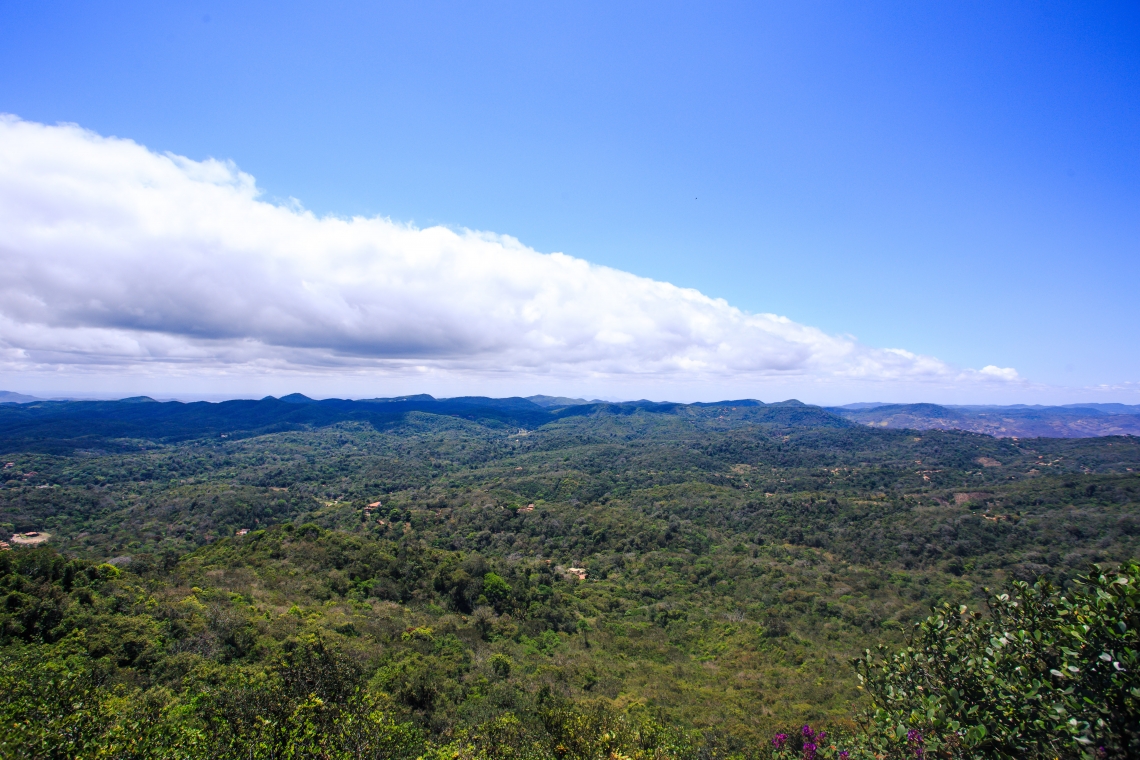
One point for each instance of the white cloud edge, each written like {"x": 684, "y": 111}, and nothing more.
{"x": 125, "y": 261}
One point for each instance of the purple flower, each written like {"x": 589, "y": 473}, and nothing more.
{"x": 844, "y": 754}
{"x": 914, "y": 737}
{"x": 779, "y": 740}
{"x": 809, "y": 751}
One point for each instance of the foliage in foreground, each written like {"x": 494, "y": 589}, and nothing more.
{"x": 1043, "y": 675}
{"x": 311, "y": 704}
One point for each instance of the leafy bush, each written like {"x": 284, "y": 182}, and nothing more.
{"x": 1043, "y": 675}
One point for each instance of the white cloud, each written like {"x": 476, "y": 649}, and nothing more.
{"x": 116, "y": 258}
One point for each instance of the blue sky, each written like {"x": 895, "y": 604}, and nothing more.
{"x": 961, "y": 180}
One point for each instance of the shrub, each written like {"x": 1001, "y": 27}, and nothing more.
{"x": 1043, "y": 675}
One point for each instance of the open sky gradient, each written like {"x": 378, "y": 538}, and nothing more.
{"x": 839, "y": 202}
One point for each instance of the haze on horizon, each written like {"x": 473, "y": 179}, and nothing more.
{"x": 669, "y": 205}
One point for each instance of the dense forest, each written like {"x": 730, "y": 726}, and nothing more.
{"x": 478, "y": 578}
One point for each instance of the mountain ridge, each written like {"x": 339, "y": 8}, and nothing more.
{"x": 66, "y": 425}
{"x": 57, "y": 422}
{"x": 1017, "y": 421}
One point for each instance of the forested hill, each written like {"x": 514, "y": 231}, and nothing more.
{"x": 60, "y": 425}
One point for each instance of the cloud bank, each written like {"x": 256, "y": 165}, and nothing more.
{"x": 116, "y": 257}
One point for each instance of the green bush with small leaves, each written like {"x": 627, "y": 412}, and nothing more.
{"x": 1044, "y": 674}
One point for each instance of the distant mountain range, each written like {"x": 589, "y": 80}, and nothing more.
{"x": 29, "y": 422}
{"x": 1019, "y": 421}
{"x": 551, "y": 402}
{"x": 8, "y": 397}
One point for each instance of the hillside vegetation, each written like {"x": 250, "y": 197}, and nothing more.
{"x": 509, "y": 579}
